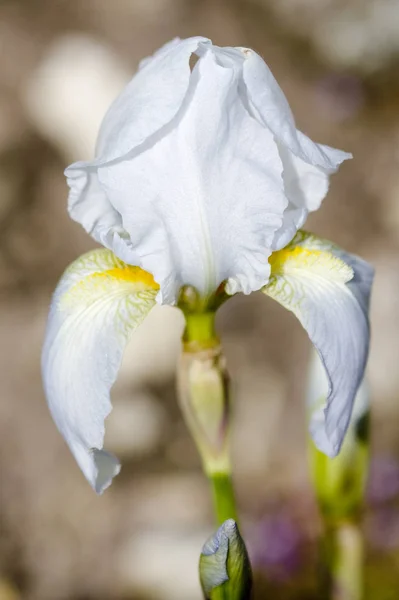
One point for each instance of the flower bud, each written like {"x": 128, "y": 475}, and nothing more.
{"x": 224, "y": 565}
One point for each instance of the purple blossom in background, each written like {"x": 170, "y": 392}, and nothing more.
{"x": 383, "y": 528}
{"x": 382, "y": 491}
{"x": 275, "y": 547}
{"x": 383, "y": 482}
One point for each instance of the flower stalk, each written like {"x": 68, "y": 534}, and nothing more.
{"x": 342, "y": 554}
{"x": 340, "y": 485}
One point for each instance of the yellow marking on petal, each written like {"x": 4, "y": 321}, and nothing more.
{"x": 316, "y": 262}
{"x": 121, "y": 280}
{"x": 142, "y": 279}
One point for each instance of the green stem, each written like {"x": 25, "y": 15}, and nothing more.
{"x": 342, "y": 554}
{"x": 200, "y": 328}
{"x": 223, "y": 497}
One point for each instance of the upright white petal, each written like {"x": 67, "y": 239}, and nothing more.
{"x": 145, "y": 106}
{"x": 150, "y": 101}
{"x": 203, "y": 203}
{"x": 96, "y": 306}
{"x": 270, "y": 106}
{"x": 328, "y": 290}
{"x": 200, "y": 173}
{"x": 307, "y": 165}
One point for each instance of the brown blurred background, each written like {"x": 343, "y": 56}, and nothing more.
{"x": 62, "y": 63}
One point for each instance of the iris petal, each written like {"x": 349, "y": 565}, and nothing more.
{"x": 145, "y": 106}
{"x": 98, "y": 303}
{"x": 328, "y": 290}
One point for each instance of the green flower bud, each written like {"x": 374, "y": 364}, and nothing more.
{"x": 225, "y": 571}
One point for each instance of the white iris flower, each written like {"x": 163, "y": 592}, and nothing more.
{"x": 200, "y": 179}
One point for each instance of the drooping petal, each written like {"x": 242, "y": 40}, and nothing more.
{"x": 317, "y": 391}
{"x": 328, "y": 290}
{"x": 204, "y": 202}
{"x": 339, "y": 483}
{"x": 98, "y": 303}
{"x": 145, "y": 106}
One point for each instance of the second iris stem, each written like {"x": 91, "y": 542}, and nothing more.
{"x": 342, "y": 555}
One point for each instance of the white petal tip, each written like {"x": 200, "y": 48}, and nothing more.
{"x": 107, "y": 467}
{"x": 232, "y": 287}
{"x": 345, "y": 156}
{"x": 247, "y": 284}
{"x": 332, "y": 450}
{"x": 336, "y": 158}
{"x": 328, "y": 446}
{"x": 327, "y": 442}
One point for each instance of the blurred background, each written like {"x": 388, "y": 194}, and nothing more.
{"x": 61, "y": 64}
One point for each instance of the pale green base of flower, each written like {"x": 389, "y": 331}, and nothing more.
{"x": 203, "y": 391}
{"x": 200, "y": 328}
